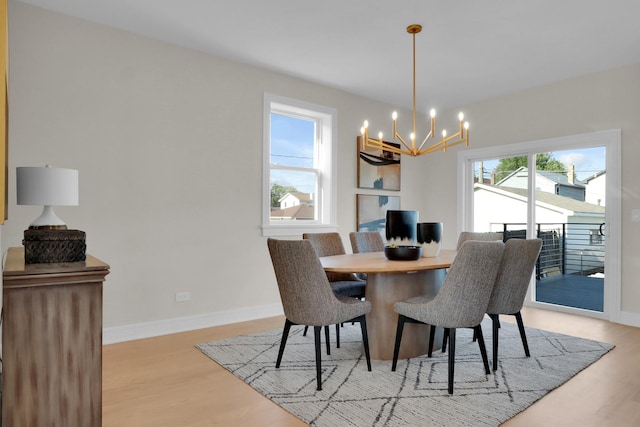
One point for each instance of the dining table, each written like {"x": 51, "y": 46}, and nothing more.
{"x": 390, "y": 281}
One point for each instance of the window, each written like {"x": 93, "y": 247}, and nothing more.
{"x": 299, "y": 186}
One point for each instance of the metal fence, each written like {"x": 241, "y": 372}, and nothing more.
{"x": 567, "y": 248}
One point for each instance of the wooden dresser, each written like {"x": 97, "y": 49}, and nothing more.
{"x": 52, "y": 342}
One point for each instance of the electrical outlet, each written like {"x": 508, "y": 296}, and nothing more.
{"x": 183, "y": 296}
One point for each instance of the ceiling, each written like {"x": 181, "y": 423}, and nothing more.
{"x": 467, "y": 51}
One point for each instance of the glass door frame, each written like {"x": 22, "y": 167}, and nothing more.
{"x": 611, "y": 139}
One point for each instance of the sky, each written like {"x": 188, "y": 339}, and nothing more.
{"x": 587, "y": 161}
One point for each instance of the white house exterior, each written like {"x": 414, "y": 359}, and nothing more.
{"x": 550, "y": 182}
{"x": 595, "y": 188}
{"x": 294, "y": 206}
{"x": 295, "y": 199}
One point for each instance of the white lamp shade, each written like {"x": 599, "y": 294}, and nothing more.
{"x": 47, "y": 186}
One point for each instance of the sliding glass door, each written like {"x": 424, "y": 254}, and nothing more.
{"x": 559, "y": 195}
{"x": 569, "y": 210}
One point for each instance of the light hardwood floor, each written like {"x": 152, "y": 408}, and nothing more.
{"x": 166, "y": 381}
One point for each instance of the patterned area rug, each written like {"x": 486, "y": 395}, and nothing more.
{"x": 414, "y": 395}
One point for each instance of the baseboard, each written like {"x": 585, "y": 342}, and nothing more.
{"x": 629, "y": 318}
{"x": 181, "y": 324}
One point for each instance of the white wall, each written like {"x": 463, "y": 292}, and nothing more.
{"x": 168, "y": 143}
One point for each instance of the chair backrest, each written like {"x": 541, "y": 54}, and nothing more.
{"x": 329, "y": 244}
{"x": 513, "y": 278}
{"x": 307, "y": 297}
{"x": 464, "y": 296}
{"x": 326, "y": 244}
{"x": 366, "y": 241}
{"x": 482, "y": 236}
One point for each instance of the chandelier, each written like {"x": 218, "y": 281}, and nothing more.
{"x": 412, "y": 149}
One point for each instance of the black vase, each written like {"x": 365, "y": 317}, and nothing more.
{"x": 430, "y": 237}
{"x": 401, "y": 228}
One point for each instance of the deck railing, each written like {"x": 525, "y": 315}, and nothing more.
{"x": 567, "y": 248}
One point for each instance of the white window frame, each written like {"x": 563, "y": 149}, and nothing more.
{"x": 326, "y": 119}
{"x": 612, "y": 140}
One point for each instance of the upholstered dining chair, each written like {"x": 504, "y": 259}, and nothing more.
{"x": 461, "y": 302}
{"x": 328, "y": 244}
{"x": 463, "y": 237}
{"x": 366, "y": 241}
{"x": 518, "y": 262}
{"x": 347, "y": 284}
{"x": 307, "y": 297}
{"x": 483, "y": 236}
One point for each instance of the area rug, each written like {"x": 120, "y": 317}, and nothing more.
{"x": 414, "y": 395}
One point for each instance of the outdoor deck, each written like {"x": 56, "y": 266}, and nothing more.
{"x": 572, "y": 290}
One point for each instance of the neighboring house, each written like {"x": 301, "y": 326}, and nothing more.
{"x": 294, "y": 206}
{"x": 298, "y": 212}
{"x": 295, "y": 199}
{"x": 595, "y": 187}
{"x": 576, "y": 221}
{"x": 549, "y": 182}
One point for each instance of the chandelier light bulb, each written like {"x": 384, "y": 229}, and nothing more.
{"x": 362, "y": 130}
{"x": 394, "y": 116}
{"x": 412, "y": 136}
{"x": 461, "y": 116}
{"x": 366, "y": 124}
{"x": 433, "y": 112}
{"x": 466, "y": 125}
{"x": 444, "y": 133}
{"x": 380, "y": 136}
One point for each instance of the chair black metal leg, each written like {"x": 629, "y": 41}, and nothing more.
{"x": 365, "y": 340}
{"x": 445, "y": 337}
{"x": 326, "y": 338}
{"x": 432, "y": 334}
{"x": 337, "y": 335}
{"x": 523, "y": 334}
{"x": 396, "y": 348}
{"x": 283, "y": 341}
{"x": 316, "y": 335}
{"x": 452, "y": 357}
{"x": 483, "y": 348}
{"x": 495, "y": 323}
{"x": 304, "y": 334}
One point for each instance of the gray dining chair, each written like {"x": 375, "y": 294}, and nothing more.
{"x": 329, "y": 244}
{"x": 517, "y": 266}
{"x": 366, "y": 241}
{"x": 307, "y": 297}
{"x": 463, "y": 237}
{"x": 482, "y": 236}
{"x": 461, "y": 302}
{"x": 347, "y": 284}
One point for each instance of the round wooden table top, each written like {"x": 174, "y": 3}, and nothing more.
{"x": 376, "y": 262}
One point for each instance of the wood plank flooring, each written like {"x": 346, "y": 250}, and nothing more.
{"x": 166, "y": 381}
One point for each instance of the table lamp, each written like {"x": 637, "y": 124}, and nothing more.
{"x": 48, "y": 187}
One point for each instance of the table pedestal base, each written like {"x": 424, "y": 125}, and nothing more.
{"x": 385, "y": 289}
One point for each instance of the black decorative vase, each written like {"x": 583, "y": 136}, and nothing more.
{"x": 430, "y": 237}
{"x": 401, "y": 228}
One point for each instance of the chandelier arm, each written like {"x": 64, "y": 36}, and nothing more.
{"x": 375, "y": 143}
{"x": 441, "y": 145}
{"x": 435, "y": 147}
{"x": 398, "y": 137}
{"x": 429, "y": 135}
